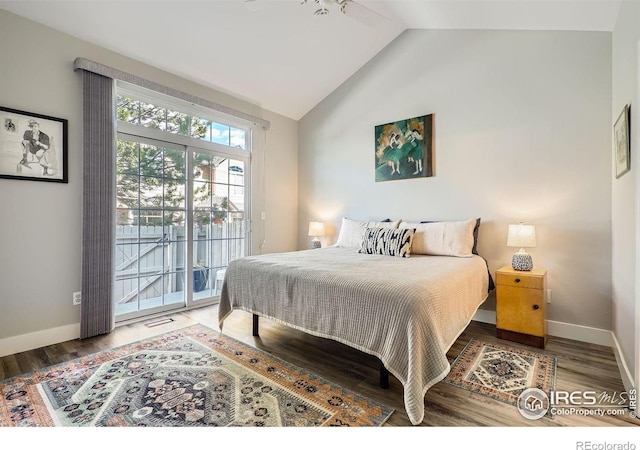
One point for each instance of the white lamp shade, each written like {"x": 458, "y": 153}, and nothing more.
{"x": 521, "y": 236}
{"x": 316, "y": 229}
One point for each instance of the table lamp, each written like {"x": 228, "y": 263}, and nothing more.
{"x": 521, "y": 236}
{"x": 316, "y": 229}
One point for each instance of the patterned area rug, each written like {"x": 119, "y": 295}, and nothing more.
{"x": 190, "y": 377}
{"x": 502, "y": 372}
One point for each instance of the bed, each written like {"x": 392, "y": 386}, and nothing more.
{"x": 406, "y": 311}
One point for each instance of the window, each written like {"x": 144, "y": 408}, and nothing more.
{"x": 151, "y": 115}
{"x": 182, "y": 199}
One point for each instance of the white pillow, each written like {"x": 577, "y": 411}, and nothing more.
{"x": 442, "y": 238}
{"x": 351, "y": 231}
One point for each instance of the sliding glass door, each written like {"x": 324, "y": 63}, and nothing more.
{"x": 151, "y": 240}
{"x": 219, "y": 219}
{"x": 181, "y": 216}
{"x": 182, "y": 202}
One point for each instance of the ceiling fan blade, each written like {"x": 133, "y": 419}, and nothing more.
{"x": 361, "y": 13}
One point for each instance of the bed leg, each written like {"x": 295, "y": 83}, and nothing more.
{"x": 255, "y": 325}
{"x": 384, "y": 377}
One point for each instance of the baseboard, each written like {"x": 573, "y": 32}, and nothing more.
{"x": 625, "y": 373}
{"x": 581, "y": 333}
{"x": 30, "y": 341}
{"x": 485, "y": 316}
{"x": 560, "y": 329}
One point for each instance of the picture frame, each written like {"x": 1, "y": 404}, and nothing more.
{"x": 622, "y": 142}
{"x": 404, "y": 149}
{"x": 33, "y": 146}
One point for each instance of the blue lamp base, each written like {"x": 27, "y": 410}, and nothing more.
{"x": 522, "y": 262}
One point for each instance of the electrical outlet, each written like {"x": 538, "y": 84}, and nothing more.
{"x": 548, "y": 295}
{"x": 77, "y": 298}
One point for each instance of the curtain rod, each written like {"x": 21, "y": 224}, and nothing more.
{"x": 110, "y": 72}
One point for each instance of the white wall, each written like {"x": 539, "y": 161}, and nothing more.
{"x": 522, "y": 133}
{"x": 40, "y": 226}
{"x": 624, "y": 207}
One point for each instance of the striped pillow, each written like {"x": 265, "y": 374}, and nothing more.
{"x": 387, "y": 241}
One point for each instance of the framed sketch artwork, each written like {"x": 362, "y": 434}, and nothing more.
{"x": 622, "y": 142}
{"x": 32, "y": 146}
{"x": 404, "y": 149}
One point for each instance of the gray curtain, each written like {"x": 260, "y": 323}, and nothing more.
{"x": 98, "y": 215}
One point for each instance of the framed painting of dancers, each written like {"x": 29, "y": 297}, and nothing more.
{"x": 33, "y": 146}
{"x": 404, "y": 149}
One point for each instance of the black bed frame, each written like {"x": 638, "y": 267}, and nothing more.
{"x": 384, "y": 373}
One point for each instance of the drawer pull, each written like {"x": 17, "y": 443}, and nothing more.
{"x": 517, "y": 280}
{"x": 536, "y": 307}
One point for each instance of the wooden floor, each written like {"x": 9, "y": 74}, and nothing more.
{"x": 580, "y": 367}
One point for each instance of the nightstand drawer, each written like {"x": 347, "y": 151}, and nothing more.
{"x": 525, "y": 280}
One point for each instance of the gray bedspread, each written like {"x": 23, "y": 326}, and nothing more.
{"x": 406, "y": 311}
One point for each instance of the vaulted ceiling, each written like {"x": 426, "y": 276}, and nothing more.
{"x": 277, "y": 53}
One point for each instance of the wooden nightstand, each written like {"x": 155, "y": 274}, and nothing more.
{"x": 521, "y": 306}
